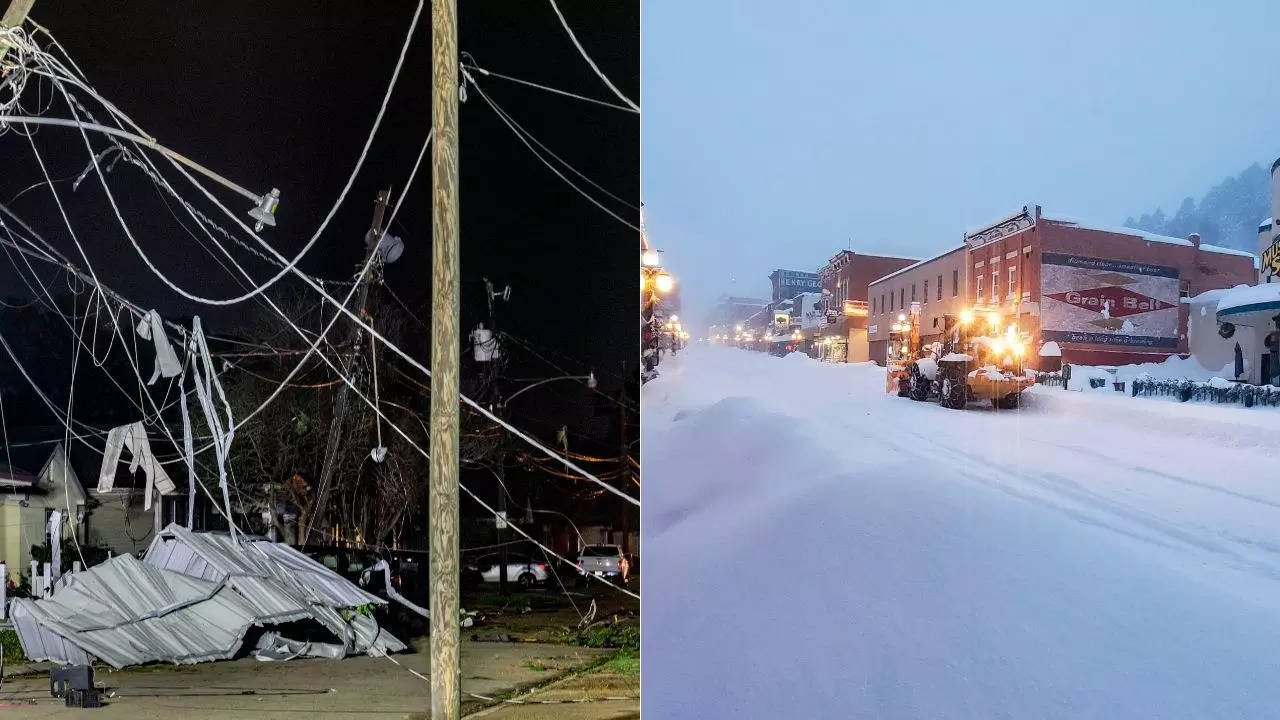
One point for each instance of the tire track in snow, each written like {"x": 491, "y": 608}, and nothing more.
{"x": 1196, "y": 537}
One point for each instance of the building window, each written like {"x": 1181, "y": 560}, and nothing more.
{"x": 1013, "y": 281}
{"x": 913, "y": 292}
{"x": 902, "y": 298}
{"x": 881, "y": 303}
{"x": 955, "y": 283}
{"x": 995, "y": 286}
{"x": 979, "y": 287}
{"x": 926, "y": 292}
{"x": 939, "y": 287}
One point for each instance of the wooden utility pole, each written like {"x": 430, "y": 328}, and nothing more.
{"x": 13, "y": 17}
{"x": 332, "y": 444}
{"x": 624, "y": 457}
{"x": 445, "y": 343}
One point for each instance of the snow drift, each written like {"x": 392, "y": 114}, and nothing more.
{"x": 830, "y": 550}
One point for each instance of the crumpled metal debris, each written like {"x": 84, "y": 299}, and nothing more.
{"x": 191, "y": 599}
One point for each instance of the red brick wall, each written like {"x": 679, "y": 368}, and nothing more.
{"x": 1199, "y": 270}
{"x": 995, "y": 255}
{"x": 866, "y": 268}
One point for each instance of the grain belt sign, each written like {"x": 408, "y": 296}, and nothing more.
{"x": 1095, "y": 301}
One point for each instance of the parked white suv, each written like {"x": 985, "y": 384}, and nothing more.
{"x": 520, "y": 569}
{"x": 604, "y": 561}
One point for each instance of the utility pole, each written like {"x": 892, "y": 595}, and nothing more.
{"x": 445, "y": 342}
{"x": 499, "y": 409}
{"x": 14, "y": 17}
{"x": 340, "y": 398}
{"x": 623, "y": 455}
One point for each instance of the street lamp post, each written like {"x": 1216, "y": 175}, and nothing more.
{"x": 654, "y": 280}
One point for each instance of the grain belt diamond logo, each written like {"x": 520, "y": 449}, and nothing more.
{"x": 1112, "y": 304}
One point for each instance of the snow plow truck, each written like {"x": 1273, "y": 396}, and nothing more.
{"x": 980, "y": 358}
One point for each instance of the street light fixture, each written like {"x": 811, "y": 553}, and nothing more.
{"x": 664, "y": 282}
{"x": 265, "y": 212}
{"x": 650, "y": 258}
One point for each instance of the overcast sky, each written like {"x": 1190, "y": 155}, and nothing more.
{"x": 775, "y": 134}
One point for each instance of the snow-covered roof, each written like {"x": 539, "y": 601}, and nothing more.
{"x": 895, "y": 273}
{"x": 1151, "y": 237}
{"x": 1211, "y": 296}
{"x": 1225, "y": 250}
{"x": 1266, "y": 223}
{"x": 1002, "y": 219}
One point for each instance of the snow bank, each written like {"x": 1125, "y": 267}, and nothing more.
{"x": 821, "y": 548}
{"x": 1050, "y": 349}
{"x": 1172, "y": 368}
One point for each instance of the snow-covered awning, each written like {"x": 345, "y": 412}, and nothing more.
{"x": 1251, "y": 305}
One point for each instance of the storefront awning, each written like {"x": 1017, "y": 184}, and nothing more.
{"x": 1251, "y": 306}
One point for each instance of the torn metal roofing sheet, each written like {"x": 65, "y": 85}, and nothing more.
{"x": 126, "y": 612}
{"x": 276, "y": 580}
{"x": 215, "y": 556}
{"x": 192, "y": 599}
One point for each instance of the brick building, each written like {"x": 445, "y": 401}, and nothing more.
{"x": 1105, "y": 295}
{"x": 844, "y": 281}
{"x": 937, "y": 283}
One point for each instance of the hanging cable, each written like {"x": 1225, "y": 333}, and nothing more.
{"x": 582, "y": 51}
{"x": 471, "y": 65}
{"x": 521, "y": 137}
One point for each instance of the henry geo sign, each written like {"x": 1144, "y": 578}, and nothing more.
{"x": 1095, "y": 301}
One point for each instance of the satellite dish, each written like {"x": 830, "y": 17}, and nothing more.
{"x": 390, "y": 248}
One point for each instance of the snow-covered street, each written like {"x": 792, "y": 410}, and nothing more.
{"x": 831, "y": 550}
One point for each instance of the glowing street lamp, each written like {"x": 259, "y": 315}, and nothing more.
{"x": 650, "y": 258}
{"x": 664, "y": 282}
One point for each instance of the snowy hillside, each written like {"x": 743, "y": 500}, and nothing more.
{"x": 1227, "y": 215}
{"x": 831, "y": 551}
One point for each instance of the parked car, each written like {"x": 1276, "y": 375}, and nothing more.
{"x": 520, "y": 569}
{"x": 605, "y": 561}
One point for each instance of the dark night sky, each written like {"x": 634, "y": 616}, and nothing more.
{"x": 283, "y": 95}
